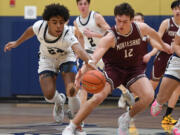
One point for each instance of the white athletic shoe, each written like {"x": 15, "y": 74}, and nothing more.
{"x": 80, "y": 131}
{"x": 69, "y": 114}
{"x": 129, "y": 98}
{"x": 176, "y": 129}
{"x": 68, "y": 131}
{"x": 121, "y": 102}
{"x": 123, "y": 123}
{"x": 58, "y": 111}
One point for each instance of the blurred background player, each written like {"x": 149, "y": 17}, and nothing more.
{"x": 139, "y": 17}
{"x": 167, "y": 31}
{"x": 90, "y": 27}
{"x": 119, "y": 47}
{"x": 57, "y": 47}
{"x": 170, "y": 82}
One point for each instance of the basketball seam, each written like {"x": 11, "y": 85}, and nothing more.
{"x": 98, "y": 78}
{"x": 90, "y": 82}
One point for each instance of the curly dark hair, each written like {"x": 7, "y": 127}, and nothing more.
{"x": 124, "y": 9}
{"x": 175, "y": 3}
{"x": 53, "y": 10}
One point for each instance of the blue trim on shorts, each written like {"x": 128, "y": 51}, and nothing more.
{"x": 68, "y": 67}
{"x": 174, "y": 54}
{"x": 48, "y": 71}
{"x": 172, "y": 77}
{"x": 80, "y": 63}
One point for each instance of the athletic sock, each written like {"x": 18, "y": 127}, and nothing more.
{"x": 168, "y": 111}
{"x": 72, "y": 125}
{"x": 54, "y": 99}
{"x": 74, "y": 104}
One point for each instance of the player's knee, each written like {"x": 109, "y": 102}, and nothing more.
{"x": 148, "y": 98}
{"x": 71, "y": 91}
{"x": 98, "y": 99}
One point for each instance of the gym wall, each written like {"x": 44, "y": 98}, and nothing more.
{"x": 18, "y": 68}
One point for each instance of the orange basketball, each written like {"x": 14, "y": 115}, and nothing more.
{"x": 93, "y": 81}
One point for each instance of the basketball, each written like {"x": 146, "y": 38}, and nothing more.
{"x": 93, "y": 81}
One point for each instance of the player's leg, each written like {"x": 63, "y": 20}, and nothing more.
{"x": 126, "y": 97}
{"x": 167, "y": 118}
{"x": 166, "y": 89}
{"x": 86, "y": 109}
{"x": 143, "y": 89}
{"x": 154, "y": 84}
{"x": 169, "y": 83}
{"x": 47, "y": 78}
{"x": 68, "y": 72}
{"x": 83, "y": 95}
{"x": 176, "y": 129}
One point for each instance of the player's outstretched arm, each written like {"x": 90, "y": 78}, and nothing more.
{"x": 79, "y": 35}
{"x": 163, "y": 27}
{"x": 101, "y": 23}
{"x": 160, "y": 45}
{"x": 25, "y": 36}
{"x": 104, "y": 44}
{"x": 148, "y": 56}
{"x": 80, "y": 52}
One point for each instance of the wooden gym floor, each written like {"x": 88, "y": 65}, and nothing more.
{"x": 35, "y": 119}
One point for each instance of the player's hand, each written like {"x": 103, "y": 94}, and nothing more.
{"x": 79, "y": 76}
{"x": 146, "y": 58}
{"x": 91, "y": 65}
{"x": 167, "y": 48}
{"x": 10, "y": 45}
{"x": 173, "y": 46}
{"x": 88, "y": 33}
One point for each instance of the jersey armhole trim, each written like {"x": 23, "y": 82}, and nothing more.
{"x": 40, "y": 27}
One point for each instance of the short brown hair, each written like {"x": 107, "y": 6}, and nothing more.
{"x": 124, "y": 9}
{"x": 86, "y": 0}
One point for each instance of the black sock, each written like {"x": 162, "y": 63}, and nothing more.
{"x": 136, "y": 99}
{"x": 168, "y": 111}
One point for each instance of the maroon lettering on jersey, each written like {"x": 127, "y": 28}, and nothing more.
{"x": 128, "y": 51}
{"x": 170, "y": 33}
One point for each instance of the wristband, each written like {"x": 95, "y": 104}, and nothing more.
{"x": 90, "y": 62}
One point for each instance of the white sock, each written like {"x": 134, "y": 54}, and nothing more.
{"x": 72, "y": 125}
{"x": 74, "y": 104}
{"x": 128, "y": 115}
{"x": 55, "y": 99}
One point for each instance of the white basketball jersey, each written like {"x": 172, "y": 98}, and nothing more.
{"x": 72, "y": 28}
{"x": 90, "y": 23}
{"x": 55, "y": 47}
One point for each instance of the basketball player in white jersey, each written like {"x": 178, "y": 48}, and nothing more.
{"x": 167, "y": 31}
{"x": 90, "y": 27}
{"x": 170, "y": 82}
{"x": 57, "y": 47}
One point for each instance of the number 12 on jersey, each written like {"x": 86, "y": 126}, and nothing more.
{"x": 128, "y": 53}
